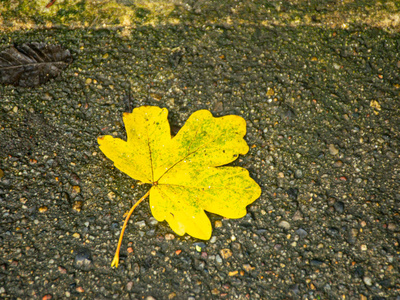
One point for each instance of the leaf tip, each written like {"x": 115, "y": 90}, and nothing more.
{"x": 207, "y": 237}
{"x": 101, "y": 139}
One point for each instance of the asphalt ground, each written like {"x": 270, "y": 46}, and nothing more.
{"x": 322, "y": 108}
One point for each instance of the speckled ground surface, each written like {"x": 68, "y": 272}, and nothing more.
{"x": 322, "y": 104}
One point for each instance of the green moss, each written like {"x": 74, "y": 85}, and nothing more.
{"x": 24, "y": 14}
{"x": 142, "y": 13}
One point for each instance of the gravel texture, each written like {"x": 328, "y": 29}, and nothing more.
{"x": 323, "y": 118}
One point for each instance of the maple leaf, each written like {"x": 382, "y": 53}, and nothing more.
{"x": 185, "y": 171}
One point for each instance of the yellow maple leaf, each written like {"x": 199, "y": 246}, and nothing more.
{"x": 185, "y": 171}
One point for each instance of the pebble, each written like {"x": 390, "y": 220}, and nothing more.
{"x": 293, "y": 193}
{"x": 218, "y": 106}
{"x": 333, "y": 231}
{"x": 261, "y": 231}
{"x": 352, "y": 235}
{"x": 140, "y": 223}
{"x": 218, "y": 224}
{"x": 270, "y": 92}
{"x": 391, "y": 155}
{"x": 226, "y": 253}
{"x": 199, "y": 246}
{"x": 129, "y": 286}
{"x": 83, "y": 259}
{"x": 332, "y": 149}
{"x": 218, "y": 259}
{"x": 316, "y": 262}
{"x": 297, "y": 216}
{"x": 115, "y": 226}
{"x": 74, "y": 179}
{"x": 150, "y": 232}
{"x": 77, "y": 206}
{"x": 215, "y": 291}
{"x": 49, "y": 162}
{"x": 298, "y": 173}
{"x": 233, "y": 273}
{"x": 169, "y": 236}
{"x": 338, "y": 164}
{"x": 339, "y": 206}
{"x": 301, "y": 233}
{"x": 111, "y": 196}
{"x": 75, "y": 191}
{"x": 43, "y": 209}
{"x": 336, "y": 66}
{"x": 367, "y": 280}
{"x": 284, "y": 225}
{"x": 1, "y": 173}
{"x": 248, "y": 267}
{"x": 153, "y": 221}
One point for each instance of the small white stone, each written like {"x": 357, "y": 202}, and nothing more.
{"x": 367, "y": 281}
{"x": 284, "y": 225}
{"x": 218, "y": 259}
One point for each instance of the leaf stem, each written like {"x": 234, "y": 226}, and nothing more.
{"x": 115, "y": 261}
